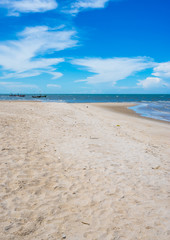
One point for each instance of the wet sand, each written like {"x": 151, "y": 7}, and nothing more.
{"x": 123, "y": 108}
{"x": 81, "y": 171}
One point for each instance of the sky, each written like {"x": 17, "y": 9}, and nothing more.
{"x": 85, "y": 46}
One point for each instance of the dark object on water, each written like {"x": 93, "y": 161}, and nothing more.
{"x": 17, "y": 95}
{"x": 39, "y": 96}
{"x": 21, "y": 95}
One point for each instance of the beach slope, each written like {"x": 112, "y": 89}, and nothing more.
{"x": 82, "y": 171}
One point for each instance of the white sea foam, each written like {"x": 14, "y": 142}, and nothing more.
{"x": 157, "y": 110}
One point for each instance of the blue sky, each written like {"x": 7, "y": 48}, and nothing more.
{"x": 85, "y": 46}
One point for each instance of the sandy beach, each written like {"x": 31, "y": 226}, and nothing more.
{"x": 82, "y": 172}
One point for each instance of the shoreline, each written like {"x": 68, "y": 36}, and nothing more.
{"x": 119, "y": 107}
{"x": 122, "y": 108}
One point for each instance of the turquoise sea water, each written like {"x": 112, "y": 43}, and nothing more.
{"x": 149, "y": 105}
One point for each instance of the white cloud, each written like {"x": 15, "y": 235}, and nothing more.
{"x": 113, "y": 69}
{"x": 162, "y": 70}
{"x": 17, "y": 86}
{"x": 8, "y": 83}
{"x": 160, "y": 77}
{"x": 56, "y": 75}
{"x": 80, "y": 5}
{"x": 20, "y": 75}
{"x": 151, "y": 82}
{"x": 25, "y": 6}
{"x": 19, "y": 58}
{"x": 53, "y": 86}
{"x": 89, "y": 3}
{"x": 16, "y": 7}
{"x": 45, "y": 38}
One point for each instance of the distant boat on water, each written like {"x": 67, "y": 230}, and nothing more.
{"x": 39, "y": 96}
{"x": 16, "y": 95}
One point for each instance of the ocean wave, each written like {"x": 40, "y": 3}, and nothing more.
{"x": 157, "y": 110}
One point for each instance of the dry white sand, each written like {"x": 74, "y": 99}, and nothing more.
{"x": 82, "y": 171}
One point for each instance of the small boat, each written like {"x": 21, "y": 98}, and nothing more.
{"x": 21, "y": 95}
{"x": 39, "y": 96}
{"x": 12, "y": 95}
{"x": 17, "y": 95}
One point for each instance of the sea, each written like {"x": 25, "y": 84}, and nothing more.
{"x": 156, "y": 106}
